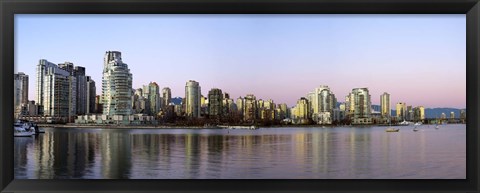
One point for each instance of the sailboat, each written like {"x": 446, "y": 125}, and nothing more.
{"x": 390, "y": 128}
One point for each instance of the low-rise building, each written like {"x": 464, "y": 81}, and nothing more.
{"x": 135, "y": 119}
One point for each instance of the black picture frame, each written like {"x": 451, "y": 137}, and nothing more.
{"x": 8, "y": 8}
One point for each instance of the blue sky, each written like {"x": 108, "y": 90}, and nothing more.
{"x": 418, "y": 59}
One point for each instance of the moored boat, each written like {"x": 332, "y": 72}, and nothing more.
{"x": 404, "y": 123}
{"x": 391, "y": 129}
{"x": 22, "y": 129}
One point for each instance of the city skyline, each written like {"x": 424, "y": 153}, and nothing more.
{"x": 269, "y": 80}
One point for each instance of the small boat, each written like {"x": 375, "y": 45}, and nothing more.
{"x": 437, "y": 127}
{"x": 404, "y": 123}
{"x": 418, "y": 123}
{"x": 391, "y": 129}
{"x": 415, "y": 129}
{"x": 22, "y": 129}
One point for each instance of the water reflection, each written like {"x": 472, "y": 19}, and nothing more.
{"x": 266, "y": 153}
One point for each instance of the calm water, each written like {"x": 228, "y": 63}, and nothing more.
{"x": 293, "y": 153}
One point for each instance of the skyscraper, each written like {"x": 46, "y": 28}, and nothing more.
{"x": 20, "y": 92}
{"x": 167, "y": 97}
{"x": 419, "y": 113}
{"x": 215, "y": 102}
{"x": 42, "y": 67}
{"x": 152, "y": 93}
{"x": 385, "y": 105}
{"x": 359, "y": 106}
{"x": 116, "y": 85}
{"x": 422, "y": 112}
{"x": 321, "y": 100}
{"x": 240, "y": 106}
{"x": 361, "y": 102}
{"x": 401, "y": 111}
{"x": 326, "y": 99}
{"x": 250, "y": 107}
{"x": 82, "y": 90}
{"x": 463, "y": 115}
{"x": 91, "y": 94}
{"x": 283, "y": 111}
{"x": 73, "y": 86}
{"x": 192, "y": 98}
{"x": 302, "y": 111}
{"x": 78, "y": 100}
{"x": 59, "y": 89}
{"x": 409, "y": 113}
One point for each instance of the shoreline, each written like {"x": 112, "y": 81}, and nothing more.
{"x": 194, "y": 127}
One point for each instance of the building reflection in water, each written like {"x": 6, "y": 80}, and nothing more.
{"x": 183, "y": 153}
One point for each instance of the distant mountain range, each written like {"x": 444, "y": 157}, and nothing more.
{"x": 177, "y": 100}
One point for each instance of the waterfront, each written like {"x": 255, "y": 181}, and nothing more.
{"x": 290, "y": 153}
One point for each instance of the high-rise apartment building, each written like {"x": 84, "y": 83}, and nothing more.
{"x": 167, "y": 97}
{"x": 78, "y": 99}
{"x": 326, "y": 99}
{"x": 192, "y": 98}
{"x": 215, "y": 102}
{"x": 321, "y": 100}
{"x": 401, "y": 111}
{"x": 419, "y": 113}
{"x": 20, "y": 92}
{"x": 42, "y": 67}
{"x": 64, "y": 91}
{"x": 250, "y": 108}
{"x": 91, "y": 94}
{"x": 152, "y": 93}
{"x": 360, "y": 103}
{"x": 229, "y": 108}
{"x": 240, "y": 106}
{"x": 283, "y": 111}
{"x": 302, "y": 111}
{"x": 385, "y": 109}
{"x": 409, "y": 113}
{"x": 82, "y": 90}
{"x": 422, "y": 112}
{"x": 58, "y": 93}
{"x": 116, "y": 85}
{"x": 349, "y": 104}
{"x": 142, "y": 103}
{"x": 463, "y": 115}
{"x": 359, "y": 106}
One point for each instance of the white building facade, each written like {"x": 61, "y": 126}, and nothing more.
{"x": 116, "y": 85}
